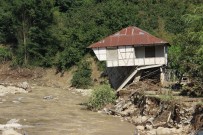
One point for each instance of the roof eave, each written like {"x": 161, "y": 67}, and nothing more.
{"x": 154, "y": 44}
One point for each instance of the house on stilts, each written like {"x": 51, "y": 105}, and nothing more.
{"x": 128, "y": 52}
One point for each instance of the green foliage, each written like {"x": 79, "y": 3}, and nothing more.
{"x": 186, "y": 56}
{"x": 56, "y": 32}
{"x": 82, "y": 76}
{"x": 28, "y": 22}
{"x": 5, "y": 54}
{"x": 101, "y": 65}
{"x": 101, "y": 96}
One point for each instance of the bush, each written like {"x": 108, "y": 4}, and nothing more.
{"x": 82, "y": 76}
{"x": 5, "y": 54}
{"x": 101, "y": 96}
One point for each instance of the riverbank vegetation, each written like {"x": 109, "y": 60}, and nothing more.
{"x": 82, "y": 76}
{"x": 101, "y": 96}
{"x": 55, "y": 33}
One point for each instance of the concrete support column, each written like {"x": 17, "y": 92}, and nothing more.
{"x": 162, "y": 76}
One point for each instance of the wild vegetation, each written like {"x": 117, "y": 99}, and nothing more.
{"x": 82, "y": 76}
{"x": 101, "y": 96}
{"x": 55, "y": 33}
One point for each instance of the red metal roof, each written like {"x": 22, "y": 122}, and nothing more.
{"x": 129, "y": 36}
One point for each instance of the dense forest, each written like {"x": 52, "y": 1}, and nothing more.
{"x": 55, "y": 33}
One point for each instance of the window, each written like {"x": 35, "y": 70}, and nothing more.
{"x": 149, "y": 51}
{"x": 112, "y": 54}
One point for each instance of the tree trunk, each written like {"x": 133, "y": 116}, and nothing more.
{"x": 24, "y": 41}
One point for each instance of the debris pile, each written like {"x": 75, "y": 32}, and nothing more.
{"x": 155, "y": 113}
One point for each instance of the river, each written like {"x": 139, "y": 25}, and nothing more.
{"x": 59, "y": 114}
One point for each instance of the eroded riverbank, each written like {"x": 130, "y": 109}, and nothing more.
{"x": 54, "y": 111}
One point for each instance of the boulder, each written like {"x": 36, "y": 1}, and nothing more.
{"x": 151, "y": 132}
{"x": 176, "y": 131}
{"x": 140, "y": 127}
{"x": 24, "y": 85}
{"x": 163, "y": 131}
{"x": 139, "y": 119}
{"x": 149, "y": 127}
{"x": 10, "y": 132}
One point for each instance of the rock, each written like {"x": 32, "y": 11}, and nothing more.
{"x": 16, "y": 102}
{"x": 140, "y": 127}
{"x": 106, "y": 110}
{"x": 176, "y": 131}
{"x": 149, "y": 127}
{"x": 13, "y": 121}
{"x": 150, "y": 120}
{"x": 100, "y": 111}
{"x": 163, "y": 131}
{"x": 151, "y": 132}
{"x": 119, "y": 106}
{"x": 83, "y": 92}
{"x": 139, "y": 119}
{"x": 48, "y": 97}
{"x": 11, "y": 89}
{"x": 8, "y": 126}
{"x": 10, "y": 132}
{"x": 144, "y": 118}
{"x": 127, "y": 112}
{"x": 136, "y": 132}
{"x": 24, "y": 85}
{"x": 127, "y": 105}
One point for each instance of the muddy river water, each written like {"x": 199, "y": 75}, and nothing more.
{"x": 53, "y": 111}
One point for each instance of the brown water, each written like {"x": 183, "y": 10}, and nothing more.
{"x": 61, "y": 115}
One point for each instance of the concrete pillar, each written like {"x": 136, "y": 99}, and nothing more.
{"x": 162, "y": 76}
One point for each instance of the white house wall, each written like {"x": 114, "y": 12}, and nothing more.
{"x": 126, "y": 56}
{"x": 130, "y": 56}
{"x": 100, "y": 53}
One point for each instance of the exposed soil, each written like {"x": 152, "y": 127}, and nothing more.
{"x": 155, "y": 110}
{"x": 38, "y": 76}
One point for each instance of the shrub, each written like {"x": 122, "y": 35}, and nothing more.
{"x": 5, "y": 54}
{"x": 82, "y": 76}
{"x": 101, "y": 96}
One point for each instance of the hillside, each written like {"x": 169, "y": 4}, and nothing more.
{"x": 56, "y": 33}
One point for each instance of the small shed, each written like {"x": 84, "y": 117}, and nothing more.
{"x": 131, "y": 47}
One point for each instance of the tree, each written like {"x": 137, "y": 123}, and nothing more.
{"x": 29, "y": 21}
{"x": 82, "y": 76}
{"x": 187, "y": 55}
